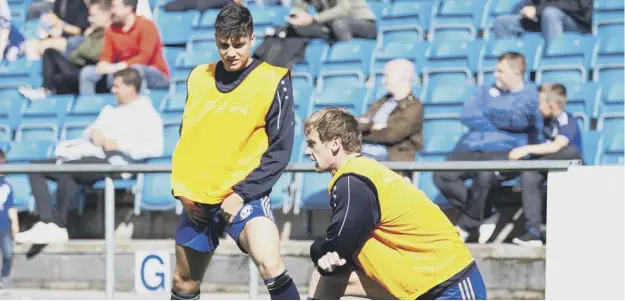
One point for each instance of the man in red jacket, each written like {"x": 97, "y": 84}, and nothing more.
{"x": 131, "y": 41}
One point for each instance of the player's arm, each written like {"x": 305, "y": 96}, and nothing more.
{"x": 280, "y": 122}
{"x": 355, "y": 214}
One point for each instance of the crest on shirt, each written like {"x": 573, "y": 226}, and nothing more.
{"x": 494, "y": 92}
{"x": 245, "y": 211}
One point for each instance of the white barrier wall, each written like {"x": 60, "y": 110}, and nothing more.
{"x": 585, "y": 233}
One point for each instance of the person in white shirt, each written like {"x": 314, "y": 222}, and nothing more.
{"x": 127, "y": 133}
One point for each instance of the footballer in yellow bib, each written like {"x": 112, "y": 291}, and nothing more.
{"x": 386, "y": 238}
{"x": 235, "y": 141}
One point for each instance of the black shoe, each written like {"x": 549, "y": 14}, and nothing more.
{"x": 530, "y": 238}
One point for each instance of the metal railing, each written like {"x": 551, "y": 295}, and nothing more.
{"x": 109, "y": 190}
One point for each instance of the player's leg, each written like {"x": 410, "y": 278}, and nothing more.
{"x": 353, "y": 284}
{"x": 190, "y": 268}
{"x": 195, "y": 243}
{"x": 258, "y": 235}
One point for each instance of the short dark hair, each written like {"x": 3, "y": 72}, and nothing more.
{"x": 132, "y": 3}
{"x": 234, "y": 21}
{"x": 3, "y": 157}
{"x": 130, "y": 76}
{"x": 555, "y": 93}
{"x": 515, "y": 59}
{"x": 104, "y": 5}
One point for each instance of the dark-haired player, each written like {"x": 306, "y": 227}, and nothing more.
{"x": 236, "y": 140}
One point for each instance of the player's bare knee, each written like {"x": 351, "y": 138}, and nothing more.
{"x": 183, "y": 284}
{"x": 270, "y": 267}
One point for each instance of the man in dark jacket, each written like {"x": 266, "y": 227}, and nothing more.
{"x": 499, "y": 118}
{"x": 551, "y": 17}
{"x": 392, "y": 128}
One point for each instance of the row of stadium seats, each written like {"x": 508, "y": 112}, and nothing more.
{"x": 604, "y": 146}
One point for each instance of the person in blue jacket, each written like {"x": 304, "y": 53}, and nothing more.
{"x": 499, "y": 118}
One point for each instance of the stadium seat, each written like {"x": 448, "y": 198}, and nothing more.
{"x": 87, "y": 107}
{"x": 30, "y": 131}
{"x": 11, "y": 104}
{"x": 530, "y": 46}
{"x": 348, "y": 59}
{"x": 154, "y": 191}
{"x": 612, "y": 149}
{"x": 310, "y": 65}
{"x": 73, "y": 130}
{"x": 612, "y": 98}
{"x": 610, "y": 125}
{"x": 280, "y": 193}
{"x": 449, "y": 125}
{"x": 350, "y": 99}
{"x": 4, "y": 145}
{"x": 171, "y": 56}
{"x": 5, "y": 133}
{"x": 201, "y": 43}
{"x": 21, "y": 72}
{"x": 425, "y": 182}
{"x": 158, "y": 98}
{"x": 398, "y": 22}
{"x": 607, "y": 12}
{"x": 206, "y": 25}
{"x": 567, "y": 59}
{"x": 608, "y": 61}
{"x": 171, "y": 133}
{"x": 378, "y": 8}
{"x": 445, "y": 99}
{"x": 53, "y": 107}
{"x": 583, "y": 98}
{"x": 440, "y": 143}
{"x": 452, "y": 62}
{"x": 22, "y": 192}
{"x": 24, "y": 151}
{"x": 175, "y": 27}
{"x": 176, "y": 102}
{"x": 268, "y": 17}
{"x": 301, "y": 97}
{"x": 312, "y": 192}
{"x": 457, "y": 20}
{"x": 396, "y": 50}
{"x": 590, "y": 144}
{"x": 188, "y": 60}
{"x": 497, "y": 8}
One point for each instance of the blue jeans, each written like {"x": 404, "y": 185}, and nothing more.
{"x": 553, "y": 22}
{"x": 6, "y": 246}
{"x": 152, "y": 78}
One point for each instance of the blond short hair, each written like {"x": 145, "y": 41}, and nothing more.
{"x": 554, "y": 93}
{"x": 334, "y": 122}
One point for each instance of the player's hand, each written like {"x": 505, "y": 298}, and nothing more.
{"x": 231, "y": 206}
{"x": 330, "y": 261}
{"x": 364, "y": 120}
{"x": 110, "y": 145}
{"x": 518, "y": 153}
{"x": 194, "y": 211}
{"x": 529, "y": 12}
{"x": 15, "y": 229}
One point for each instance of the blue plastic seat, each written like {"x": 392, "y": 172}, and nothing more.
{"x": 396, "y": 50}
{"x": 612, "y": 98}
{"x": 176, "y": 102}
{"x": 425, "y": 182}
{"x": 301, "y": 104}
{"x": 311, "y": 64}
{"x": 348, "y": 58}
{"x": 22, "y": 192}
{"x": 175, "y": 27}
{"x": 583, "y": 98}
{"x": 608, "y": 62}
{"x": 51, "y": 110}
{"x": 201, "y": 43}
{"x": 350, "y": 99}
{"x": 24, "y": 151}
{"x": 87, "y": 107}
{"x": 613, "y": 152}
{"x": 452, "y": 62}
{"x": 398, "y": 21}
{"x": 171, "y": 133}
{"x": 590, "y": 144}
{"x": 607, "y": 12}
{"x": 446, "y": 99}
{"x": 188, "y": 60}
{"x": 154, "y": 191}
{"x": 73, "y": 130}
{"x": 448, "y": 125}
{"x": 158, "y": 98}
{"x": 206, "y": 24}
{"x": 497, "y": 8}
{"x": 5, "y": 133}
{"x": 11, "y": 104}
{"x": 19, "y": 73}
{"x": 567, "y": 59}
{"x": 457, "y": 20}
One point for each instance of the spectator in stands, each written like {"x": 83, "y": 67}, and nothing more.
{"x": 60, "y": 74}
{"x": 392, "y": 128}
{"x": 9, "y": 225}
{"x": 499, "y": 118}
{"x": 551, "y": 17}
{"x": 127, "y": 133}
{"x": 69, "y": 18}
{"x": 131, "y": 41}
{"x": 563, "y": 142}
{"x": 342, "y": 20}
{"x": 10, "y": 38}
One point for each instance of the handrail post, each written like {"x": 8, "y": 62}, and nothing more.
{"x": 253, "y": 284}
{"x": 109, "y": 234}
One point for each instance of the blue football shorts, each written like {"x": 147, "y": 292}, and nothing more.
{"x": 204, "y": 237}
